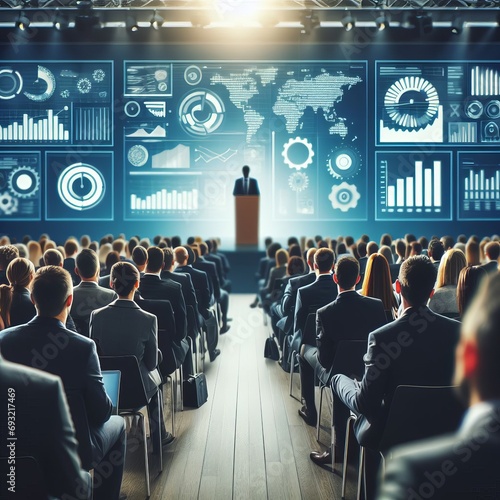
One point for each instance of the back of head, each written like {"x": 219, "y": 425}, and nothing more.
{"x": 347, "y": 272}
{"x": 70, "y": 247}
{"x": 295, "y": 266}
{"x": 87, "y": 263}
{"x": 7, "y": 254}
{"x": 349, "y": 240}
{"x": 371, "y": 248}
{"x": 34, "y": 252}
{"x": 181, "y": 255}
{"x": 387, "y": 253}
{"x": 472, "y": 253}
{"x": 448, "y": 242}
{"x": 111, "y": 259}
{"x": 155, "y": 260}
{"x": 190, "y": 240}
{"x": 416, "y": 248}
{"x": 50, "y": 289}
{"x": 492, "y": 250}
{"x": 365, "y": 238}
{"x": 20, "y": 272}
{"x": 176, "y": 241}
{"x": 361, "y": 246}
{"x": 452, "y": 262}
{"x": 294, "y": 250}
{"x": 281, "y": 257}
{"x": 292, "y": 240}
{"x": 417, "y": 276}
{"x": 85, "y": 241}
{"x": 192, "y": 254}
{"x": 377, "y": 281}
{"x": 267, "y": 241}
{"x": 435, "y": 249}
{"x": 52, "y": 257}
{"x": 104, "y": 249}
{"x": 203, "y": 248}
{"x": 168, "y": 257}
{"x": 323, "y": 259}
{"x": 118, "y": 245}
{"x": 272, "y": 249}
{"x": 341, "y": 248}
{"x": 310, "y": 257}
{"x": 386, "y": 239}
{"x": 139, "y": 255}
{"x": 482, "y": 323}
{"x": 123, "y": 278}
{"x": 132, "y": 243}
{"x": 469, "y": 281}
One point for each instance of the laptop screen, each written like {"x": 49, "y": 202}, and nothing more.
{"x": 111, "y": 379}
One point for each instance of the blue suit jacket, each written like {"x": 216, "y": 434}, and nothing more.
{"x": 239, "y": 187}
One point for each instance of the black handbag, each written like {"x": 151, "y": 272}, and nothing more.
{"x": 195, "y": 390}
{"x": 271, "y": 350}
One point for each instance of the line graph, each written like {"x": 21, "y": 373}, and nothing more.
{"x": 208, "y": 156}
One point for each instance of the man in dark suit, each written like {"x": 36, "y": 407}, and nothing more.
{"x": 350, "y": 316}
{"x": 492, "y": 252}
{"x": 246, "y": 186}
{"x": 153, "y": 287}
{"x": 123, "y": 328}
{"x": 88, "y": 295}
{"x": 319, "y": 293}
{"x": 44, "y": 430}
{"x": 45, "y": 343}
{"x": 71, "y": 251}
{"x": 219, "y": 264}
{"x": 435, "y": 251}
{"x": 465, "y": 464}
{"x": 416, "y": 349}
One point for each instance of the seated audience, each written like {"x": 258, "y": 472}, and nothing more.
{"x": 123, "y": 328}
{"x": 277, "y": 273}
{"x": 140, "y": 259}
{"x": 422, "y": 346}
{"x": 76, "y": 363}
{"x": 472, "y": 253}
{"x": 265, "y": 265}
{"x": 465, "y": 464}
{"x": 444, "y": 300}
{"x": 491, "y": 253}
{"x": 52, "y": 257}
{"x": 435, "y": 252}
{"x": 469, "y": 281}
{"x": 70, "y": 253}
{"x": 7, "y": 254}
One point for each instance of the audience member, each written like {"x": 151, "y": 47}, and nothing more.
{"x": 435, "y": 252}
{"x": 469, "y": 281}
{"x": 52, "y": 257}
{"x": 7, "y": 254}
{"x": 465, "y": 464}
{"x": 472, "y": 253}
{"x": 448, "y": 242}
{"x": 140, "y": 258}
{"x": 34, "y": 252}
{"x": 492, "y": 253}
{"x": 76, "y": 363}
{"x": 277, "y": 273}
{"x": 70, "y": 253}
{"x": 421, "y": 352}
{"x": 415, "y": 248}
{"x": 371, "y": 248}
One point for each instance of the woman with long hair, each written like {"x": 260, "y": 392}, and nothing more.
{"x": 377, "y": 283}
{"x": 469, "y": 280}
{"x": 16, "y": 307}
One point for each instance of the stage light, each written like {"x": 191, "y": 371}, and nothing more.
{"x": 85, "y": 18}
{"x": 457, "y": 25}
{"x": 22, "y": 22}
{"x": 157, "y": 21}
{"x": 131, "y": 23}
{"x": 348, "y": 22}
{"x": 60, "y": 21}
{"x": 382, "y": 22}
{"x": 310, "y": 22}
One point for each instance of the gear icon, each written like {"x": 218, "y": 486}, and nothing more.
{"x": 98, "y": 75}
{"x": 23, "y": 182}
{"x": 344, "y": 196}
{"x": 298, "y": 181}
{"x": 343, "y": 163}
{"x": 84, "y": 85}
{"x": 8, "y": 204}
{"x": 298, "y": 153}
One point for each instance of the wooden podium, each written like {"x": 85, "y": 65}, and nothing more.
{"x": 247, "y": 220}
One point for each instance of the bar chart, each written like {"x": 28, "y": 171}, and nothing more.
{"x": 485, "y": 81}
{"x": 165, "y": 200}
{"x": 93, "y": 124}
{"x": 413, "y": 186}
{"x": 478, "y": 186}
{"x": 49, "y": 127}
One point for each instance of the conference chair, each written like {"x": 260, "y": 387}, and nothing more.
{"x": 348, "y": 361}
{"x": 133, "y": 399}
{"x": 416, "y": 412}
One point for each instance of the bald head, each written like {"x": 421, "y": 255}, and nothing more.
{"x": 181, "y": 256}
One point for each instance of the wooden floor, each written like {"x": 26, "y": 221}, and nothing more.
{"x": 247, "y": 441}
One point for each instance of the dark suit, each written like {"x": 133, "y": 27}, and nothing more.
{"x": 44, "y": 430}
{"x": 461, "y": 466}
{"x": 490, "y": 267}
{"x": 69, "y": 264}
{"x": 45, "y": 343}
{"x": 104, "y": 281}
{"x": 416, "y": 349}
{"x": 350, "y": 316}
{"x": 201, "y": 287}
{"x": 152, "y": 287}
{"x": 252, "y": 188}
{"x": 187, "y": 289}
{"x": 87, "y": 297}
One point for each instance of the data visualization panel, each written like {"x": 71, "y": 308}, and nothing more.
{"x": 63, "y": 103}
{"x": 20, "y": 186}
{"x": 79, "y": 186}
{"x": 413, "y": 186}
{"x": 191, "y": 126}
{"x": 478, "y": 186}
{"x": 438, "y": 102}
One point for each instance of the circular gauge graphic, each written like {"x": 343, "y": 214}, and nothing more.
{"x": 193, "y": 75}
{"x": 81, "y": 186}
{"x": 412, "y": 102}
{"x": 298, "y": 153}
{"x": 46, "y": 83}
{"x": 344, "y": 196}
{"x": 201, "y": 112}
{"x": 24, "y": 182}
{"x": 343, "y": 162}
{"x": 474, "y": 109}
{"x": 138, "y": 155}
{"x": 11, "y": 83}
{"x": 8, "y": 204}
{"x": 298, "y": 181}
{"x": 493, "y": 109}
{"x": 132, "y": 109}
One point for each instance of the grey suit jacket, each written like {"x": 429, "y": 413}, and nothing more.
{"x": 123, "y": 328}
{"x": 87, "y": 297}
{"x": 460, "y": 466}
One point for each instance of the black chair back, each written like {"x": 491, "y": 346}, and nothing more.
{"x": 348, "y": 359}
{"x": 419, "y": 412}
{"x": 29, "y": 480}
{"x": 132, "y": 392}
{"x": 78, "y": 411}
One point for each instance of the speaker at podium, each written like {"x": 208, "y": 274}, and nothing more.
{"x": 246, "y": 197}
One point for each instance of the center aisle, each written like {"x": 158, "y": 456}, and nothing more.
{"x": 247, "y": 441}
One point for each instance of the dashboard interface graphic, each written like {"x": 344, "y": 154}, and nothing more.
{"x": 180, "y": 131}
